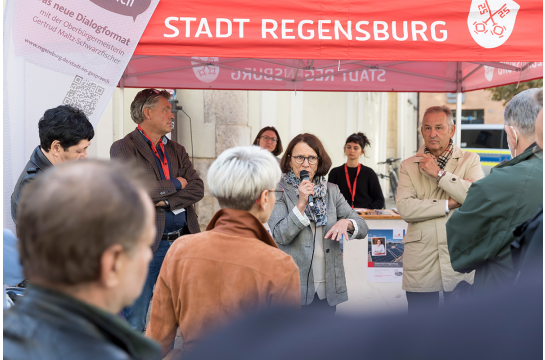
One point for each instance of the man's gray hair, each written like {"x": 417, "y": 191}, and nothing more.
{"x": 146, "y": 98}
{"x": 437, "y": 109}
{"x": 239, "y": 175}
{"x": 539, "y": 96}
{"x": 521, "y": 112}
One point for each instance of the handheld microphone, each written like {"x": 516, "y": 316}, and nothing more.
{"x": 304, "y": 176}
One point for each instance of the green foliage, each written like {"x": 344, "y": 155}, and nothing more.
{"x": 506, "y": 93}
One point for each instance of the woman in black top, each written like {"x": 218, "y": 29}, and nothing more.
{"x": 362, "y": 188}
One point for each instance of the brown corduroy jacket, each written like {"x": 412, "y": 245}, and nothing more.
{"x": 210, "y": 278}
{"x": 133, "y": 147}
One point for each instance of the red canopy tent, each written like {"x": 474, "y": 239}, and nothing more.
{"x": 339, "y": 45}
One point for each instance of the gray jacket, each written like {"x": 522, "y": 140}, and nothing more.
{"x": 297, "y": 240}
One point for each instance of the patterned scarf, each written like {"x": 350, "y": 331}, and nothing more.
{"x": 445, "y": 156}
{"x": 320, "y": 189}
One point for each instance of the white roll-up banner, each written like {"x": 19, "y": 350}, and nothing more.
{"x": 61, "y": 52}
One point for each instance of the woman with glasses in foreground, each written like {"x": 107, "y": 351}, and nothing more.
{"x": 310, "y": 233}
{"x": 268, "y": 139}
{"x": 234, "y": 267}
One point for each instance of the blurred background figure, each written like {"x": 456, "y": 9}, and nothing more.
{"x": 85, "y": 230}
{"x": 504, "y": 326}
{"x": 296, "y": 225}
{"x": 359, "y": 184}
{"x": 268, "y": 139}
{"x": 431, "y": 184}
{"x": 481, "y": 232}
{"x": 232, "y": 268}
{"x": 65, "y": 134}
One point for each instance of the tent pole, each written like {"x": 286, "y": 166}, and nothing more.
{"x": 458, "y": 135}
{"x": 458, "y": 138}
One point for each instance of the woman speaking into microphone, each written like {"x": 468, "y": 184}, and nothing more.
{"x": 358, "y": 183}
{"x": 310, "y": 231}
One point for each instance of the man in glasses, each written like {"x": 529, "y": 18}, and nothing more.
{"x": 177, "y": 188}
{"x": 235, "y": 266}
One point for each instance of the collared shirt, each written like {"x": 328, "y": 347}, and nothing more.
{"x": 172, "y": 222}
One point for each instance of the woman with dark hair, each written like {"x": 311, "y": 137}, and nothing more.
{"x": 268, "y": 139}
{"x": 358, "y": 183}
{"x": 298, "y": 224}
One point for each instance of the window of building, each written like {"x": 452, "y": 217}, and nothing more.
{"x": 471, "y": 116}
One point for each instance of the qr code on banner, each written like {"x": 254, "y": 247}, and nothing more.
{"x": 84, "y": 95}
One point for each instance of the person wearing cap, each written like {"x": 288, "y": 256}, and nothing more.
{"x": 177, "y": 188}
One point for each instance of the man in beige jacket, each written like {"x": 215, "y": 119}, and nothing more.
{"x": 431, "y": 184}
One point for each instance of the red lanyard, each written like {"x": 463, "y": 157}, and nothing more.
{"x": 164, "y": 163}
{"x": 352, "y": 192}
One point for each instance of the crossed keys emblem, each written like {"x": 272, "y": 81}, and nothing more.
{"x": 491, "y": 22}
{"x": 205, "y": 72}
{"x": 480, "y": 27}
{"x": 208, "y": 69}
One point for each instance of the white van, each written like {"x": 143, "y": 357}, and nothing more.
{"x": 489, "y": 141}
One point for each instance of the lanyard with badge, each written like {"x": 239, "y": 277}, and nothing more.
{"x": 352, "y": 192}
{"x": 164, "y": 162}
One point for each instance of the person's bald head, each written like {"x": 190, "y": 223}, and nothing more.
{"x": 69, "y": 215}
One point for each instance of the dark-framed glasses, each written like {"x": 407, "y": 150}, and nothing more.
{"x": 278, "y": 193}
{"x": 312, "y": 160}
{"x": 266, "y": 138}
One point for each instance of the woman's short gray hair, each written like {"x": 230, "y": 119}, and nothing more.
{"x": 146, "y": 98}
{"x": 521, "y": 112}
{"x": 437, "y": 109}
{"x": 239, "y": 175}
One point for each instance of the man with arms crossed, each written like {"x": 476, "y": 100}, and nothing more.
{"x": 431, "y": 184}
{"x": 65, "y": 134}
{"x": 177, "y": 185}
{"x": 84, "y": 261}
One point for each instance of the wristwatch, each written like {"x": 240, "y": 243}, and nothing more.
{"x": 440, "y": 174}
{"x": 167, "y": 203}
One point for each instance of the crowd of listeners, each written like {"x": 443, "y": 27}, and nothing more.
{"x": 98, "y": 241}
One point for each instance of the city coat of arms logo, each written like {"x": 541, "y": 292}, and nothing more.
{"x": 491, "y": 22}
{"x": 205, "y": 72}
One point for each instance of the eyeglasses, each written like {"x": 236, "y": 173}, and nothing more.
{"x": 278, "y": 193}
{"x": 312, "y": 160}
{"x": 153, "y": 92}
{"x": 266, "y": 138}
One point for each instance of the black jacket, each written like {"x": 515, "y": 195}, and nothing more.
{"x": 46, "y": 325}
{"x": 527, "y": 249}
{"x": 37, "y": 163}
{"x": 368, "y": 191}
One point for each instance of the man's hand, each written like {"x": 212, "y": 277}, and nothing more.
{"x": 161, "y": 204}
{"x": 183, "y": 181}
{"x": 453, "y": 204}
{"x": 428, "y": 164}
